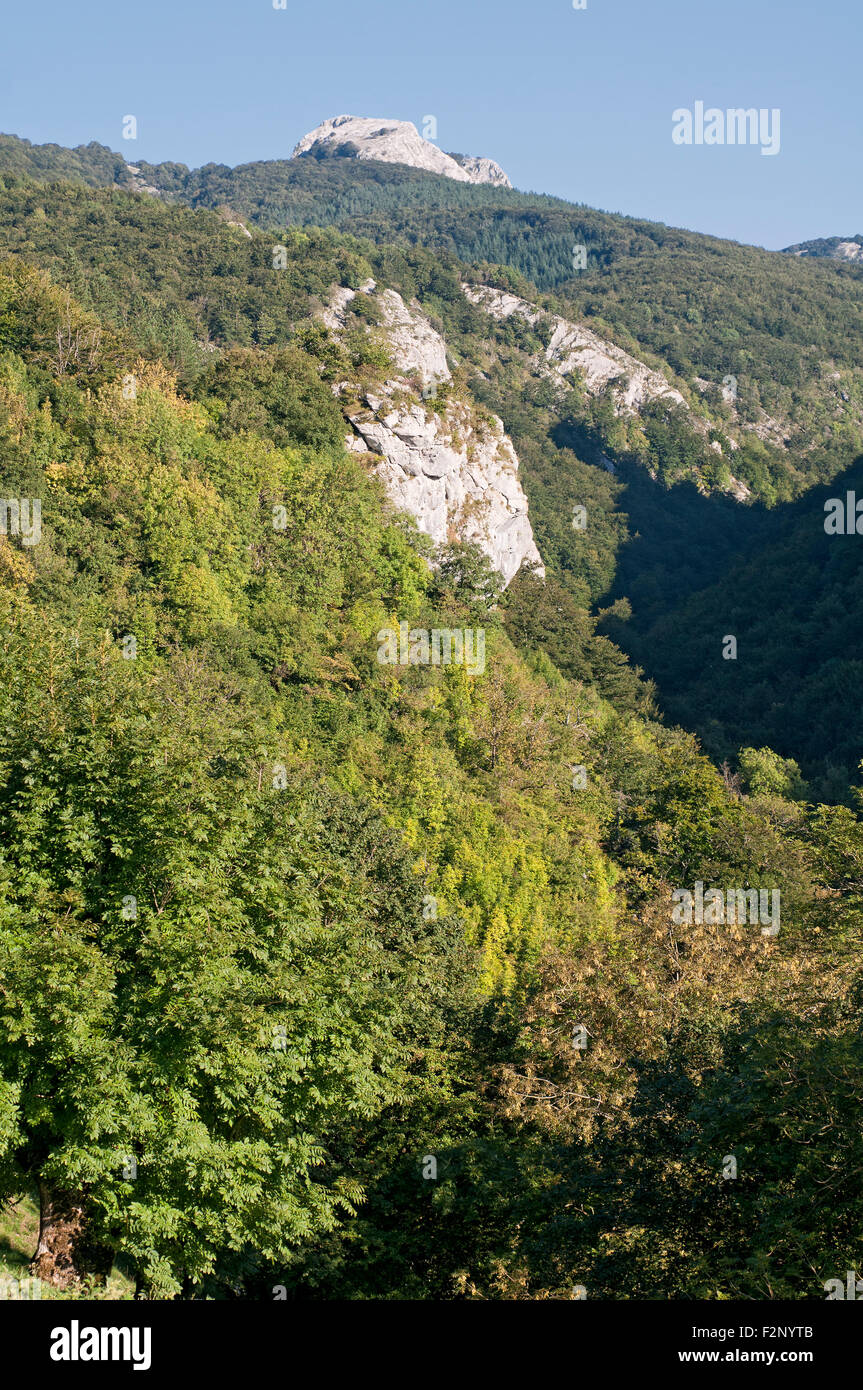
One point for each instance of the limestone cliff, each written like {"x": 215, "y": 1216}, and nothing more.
{"x": 482, "y": 170}
{"x": 603, "y": 366}
{"x": 574, "y": 348}
{"x": 446, "y": 462}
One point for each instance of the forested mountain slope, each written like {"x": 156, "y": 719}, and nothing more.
{"x": 788, "y": 330}
{"x": 181, "y": 285}
{"x": 355, "y": 977}
{"x": 708, "y": 307}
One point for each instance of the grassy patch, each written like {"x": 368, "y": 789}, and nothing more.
{"x": 19, "y": 1234}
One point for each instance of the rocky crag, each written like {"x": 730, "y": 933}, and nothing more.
{"x": 448, "y": 463}
{"x": 395, "y": 142}
{"x": 574, "y": 348}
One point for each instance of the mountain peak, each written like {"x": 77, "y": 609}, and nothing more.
{"x": 395, "y": 142}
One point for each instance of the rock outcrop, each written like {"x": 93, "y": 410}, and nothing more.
{"x": 832, "y": 248}
{"x": 574, "y": 348}
{"x": 136, "y": 181}
{"x": 449, "y": 464}
{"x": 633, "y": 385}
{"x": 849, "y": 251}
{"x": 396, "y": 142}
{"x": 482, "y": 170}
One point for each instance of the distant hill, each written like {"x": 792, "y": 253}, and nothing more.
{"x": 835, "y": 248}
{"x": 93, "y": 164}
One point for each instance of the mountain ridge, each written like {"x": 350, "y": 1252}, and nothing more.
{"x": 99, "y": 166}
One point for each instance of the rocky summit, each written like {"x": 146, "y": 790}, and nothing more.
{"x": 396, "y": 142}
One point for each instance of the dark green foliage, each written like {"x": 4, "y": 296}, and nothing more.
{"x": 279, "y": 395}
{"x": 788, "y": 592}
{"x": 372, "y": 905}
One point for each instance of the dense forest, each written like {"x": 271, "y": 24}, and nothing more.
{"x": 707, "y": 308}
{"x": 178, "y": 285}
{"x": 356, "y": 981}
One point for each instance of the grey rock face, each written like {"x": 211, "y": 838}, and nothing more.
{"x": 849, "y": 251}
{"x": 482, "y": 170}
{"x": 448, "y": 464}
{"x": 574, "y": 348}
{"x": 632, "y": 384}
{"x": 396, "y": 142}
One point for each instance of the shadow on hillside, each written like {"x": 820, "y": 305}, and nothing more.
{"x": 699, "y": 569}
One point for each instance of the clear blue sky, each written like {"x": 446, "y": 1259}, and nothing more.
{"x": 576, "y": 103}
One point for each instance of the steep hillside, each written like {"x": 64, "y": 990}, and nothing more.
{"x": 655, "y": 458}
{"x": 778, "y": 338}
{"x": 340, "y": 848}
{"x": 338, "y": 968}
{"x": 790, "y": 595}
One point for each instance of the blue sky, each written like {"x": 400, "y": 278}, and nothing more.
{"x": 573, "y": 102}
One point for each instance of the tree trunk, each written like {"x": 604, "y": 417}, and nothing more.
{"x": 67, "y": 1254}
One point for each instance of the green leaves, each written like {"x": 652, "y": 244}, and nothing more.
{"x": 258, "y": 918}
